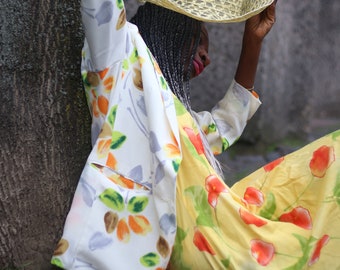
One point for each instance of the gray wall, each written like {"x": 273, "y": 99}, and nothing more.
{"x": 298, "y": 76}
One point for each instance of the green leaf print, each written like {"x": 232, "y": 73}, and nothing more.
{"x": 117, "y": 140}
{"x": 125, "y": 64}
{"x": 137, "y": 204}
{"x": 134, "y": 56}
{"x": 84, "y": 78}
{"x": 307, "y": 247}
{"x": 180, "y": 109}
{"x": 57, "y": 262}
{"x": 163, "y": 83}
{"x": 225, "y": 144}
{"x": 202, "y": 207}
{"x": 112, "y": 115}
{"x": 226, "y": 263}
{"x": 269, "y": 208}
{"x": 176, "y": 163}
{"x": 150, "y": 260}
{"x": 180, "y": 235}
{"x": 193, "y": 151}
{"x": 336, "y": 134}
{"x": 112, "y": 199}
{"x": 176, "y": 256}
{"x": 150, "y": 57}
{"x": 336, "y": 190}
{"x": 120, "y": 4}
{"x": 211, "y": 128}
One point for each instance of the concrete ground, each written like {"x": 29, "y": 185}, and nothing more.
{"x": 243, "y": 158}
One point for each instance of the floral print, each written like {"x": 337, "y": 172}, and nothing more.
{"x": 262, "y": 251}
{"x": 214, "y": 187}
{"x": 317, "y": 251}
{"x": 253, "y": 196}
{"x": 149, "y": 199}
{"x": 299, "y": 216}
{"x": 283, "y": 216}
{"x": 250, "y": 218}
{"x": 322, "y": 158}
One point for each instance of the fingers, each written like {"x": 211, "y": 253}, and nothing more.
{"x": 271, "y": 12}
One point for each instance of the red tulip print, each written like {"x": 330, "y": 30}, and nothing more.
{"x": 249, "y": 218}
{"x": 319, "y": 245}
{"x": 214, "y": 186}
{"x": 270, "y": 166}
{"x": 262, "y": 251}
{"x": 202, "y": 243}
{"x": 253, "y": 196}
{"x": 195, "y": 139}
{"x": 322, "y": 158}
{"x": 299, "y": 216}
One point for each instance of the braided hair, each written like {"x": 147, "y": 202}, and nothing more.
{"x": 172, "y": 39}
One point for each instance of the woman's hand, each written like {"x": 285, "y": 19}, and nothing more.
{"x": 256, "y": 28}
{"x": 259, "y": 25}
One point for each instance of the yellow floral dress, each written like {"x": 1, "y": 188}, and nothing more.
{"x": 286, "y": 215}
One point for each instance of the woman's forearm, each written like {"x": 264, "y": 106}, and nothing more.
{"x": 256, "y": 28}
{"x": 248, "y": 62}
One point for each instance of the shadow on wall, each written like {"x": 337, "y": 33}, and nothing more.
{"x": 297, "y": 75}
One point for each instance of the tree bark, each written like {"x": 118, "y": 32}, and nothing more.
{"x": 44, "y": 126}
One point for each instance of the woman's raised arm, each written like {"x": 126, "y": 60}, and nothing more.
{"x": 104, "y": 23}
{"x": 256, "y": 28}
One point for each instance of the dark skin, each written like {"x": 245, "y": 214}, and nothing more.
{"x": 256, "y": 29}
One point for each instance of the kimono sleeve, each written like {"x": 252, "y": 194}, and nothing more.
{"x": 227, "y": 120}
{"x": 105, "y": 28}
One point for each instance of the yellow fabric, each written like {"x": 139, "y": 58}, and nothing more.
{"x": 292, "y": 207}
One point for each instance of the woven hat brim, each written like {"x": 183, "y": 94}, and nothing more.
{"x": 218, "y": 11}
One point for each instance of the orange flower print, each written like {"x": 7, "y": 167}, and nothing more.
{"x": 103, "y": 105}
{"x": 270, "y": 166}
{"x": 139, "y": 224}
{"x": 103, "y": 73}
{"x": 299, "y": 216}
{"x": 214, "y": 186}
{"x": 111, "y": 161}
{"x": 262, "y": 251}
{"x": 249, "y": 218}
{"x": 172, "y": 150}
{"x": 123, "y": 231}
{"x": 195, "y": 139}
{"x": 100, "y": 104}
{"x": 321, "y": 160}
{"x": 109, "y": 83}
{"x": 202, "y": 243}
{"x": 122, "y": 181}
{"x": 253, "y": 196}
{"x": 95, "y": 110}
{"x": 319, "y": 245}
{"x": 103, "y": 147}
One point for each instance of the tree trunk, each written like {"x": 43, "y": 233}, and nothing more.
{"x": 44, "y": 126}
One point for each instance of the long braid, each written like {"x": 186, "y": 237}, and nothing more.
{"x": 173, "y": 40}
{"x": 168, "y": 35}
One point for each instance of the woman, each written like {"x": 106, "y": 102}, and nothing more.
{"x": 150, "y": 195}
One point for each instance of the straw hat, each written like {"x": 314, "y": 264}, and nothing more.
{"x": 215, "y": 10}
